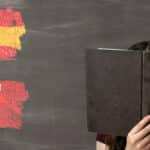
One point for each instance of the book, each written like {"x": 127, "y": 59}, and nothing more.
{"x": 117, "y": 89}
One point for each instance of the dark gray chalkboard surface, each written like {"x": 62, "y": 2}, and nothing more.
{"x": 53, "y": 56}
{"x": 52, "y": 68}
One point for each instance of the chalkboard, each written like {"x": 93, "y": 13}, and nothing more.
{"x": 53, "y": 56}
{"x": 53, "y": 114}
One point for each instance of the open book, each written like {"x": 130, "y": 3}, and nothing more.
{"x": 117, "y": 89}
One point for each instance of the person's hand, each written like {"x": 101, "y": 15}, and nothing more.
{"x": 138, "y": 137}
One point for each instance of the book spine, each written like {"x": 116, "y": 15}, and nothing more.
{"x": 142, "y": 83}
{"x": 146, "y": 84}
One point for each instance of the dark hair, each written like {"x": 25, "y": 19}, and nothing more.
{"x": 115, "y": 142}
{"x": 119, "y": 142}
{"x": 143, "y": 45}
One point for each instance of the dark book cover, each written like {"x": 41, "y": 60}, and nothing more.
{"x": 117, "y": 89}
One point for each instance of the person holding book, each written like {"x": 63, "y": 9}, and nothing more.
{"x": 138, "y": 137}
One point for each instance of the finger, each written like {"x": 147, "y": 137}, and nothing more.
{"x": 143, "y": 143}
{"x": 147, "y": 147}
{"x": 140, "y": 125}
{"x": 142, "y": 133}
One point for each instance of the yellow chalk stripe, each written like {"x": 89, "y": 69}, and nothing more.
{"x": 10, "y": 36}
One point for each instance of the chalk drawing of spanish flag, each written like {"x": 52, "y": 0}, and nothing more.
{"x": 12, "y": 28}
